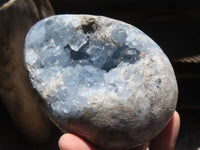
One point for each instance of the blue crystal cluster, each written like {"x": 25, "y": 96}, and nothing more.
{"x": 86, "y": 65}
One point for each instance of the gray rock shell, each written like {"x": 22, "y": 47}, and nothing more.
{"x": 100, "y": 78}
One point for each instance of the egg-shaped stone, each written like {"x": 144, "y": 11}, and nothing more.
{"x": 101, "y": 79}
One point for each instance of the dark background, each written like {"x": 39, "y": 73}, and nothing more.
{"x": 174, "y": 25}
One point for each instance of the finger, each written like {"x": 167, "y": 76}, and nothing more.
{"x": 166, "y": 140}
{"x": 72, "y": 142}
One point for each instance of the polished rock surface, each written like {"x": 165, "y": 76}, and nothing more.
{"x": 101, "y": 79}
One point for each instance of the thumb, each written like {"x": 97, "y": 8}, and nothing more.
{"x": 70, "y": 141}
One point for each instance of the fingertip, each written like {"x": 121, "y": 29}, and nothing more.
{"x": 175, "y": 128}
{"x": 166, "y": 140}
{"x": 70, "y": 141}
{"x": 61, "y": 143}
{"x": 176, "y": 116}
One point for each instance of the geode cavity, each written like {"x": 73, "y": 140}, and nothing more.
{"x": 101, "y": 79}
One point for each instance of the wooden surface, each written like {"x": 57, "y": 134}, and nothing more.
{"x": 16, "y": 18}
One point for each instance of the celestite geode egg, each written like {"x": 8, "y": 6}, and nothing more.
{"x": 100, "y": 78}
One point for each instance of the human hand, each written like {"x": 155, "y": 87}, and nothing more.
{"x": 166, "y": 140}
